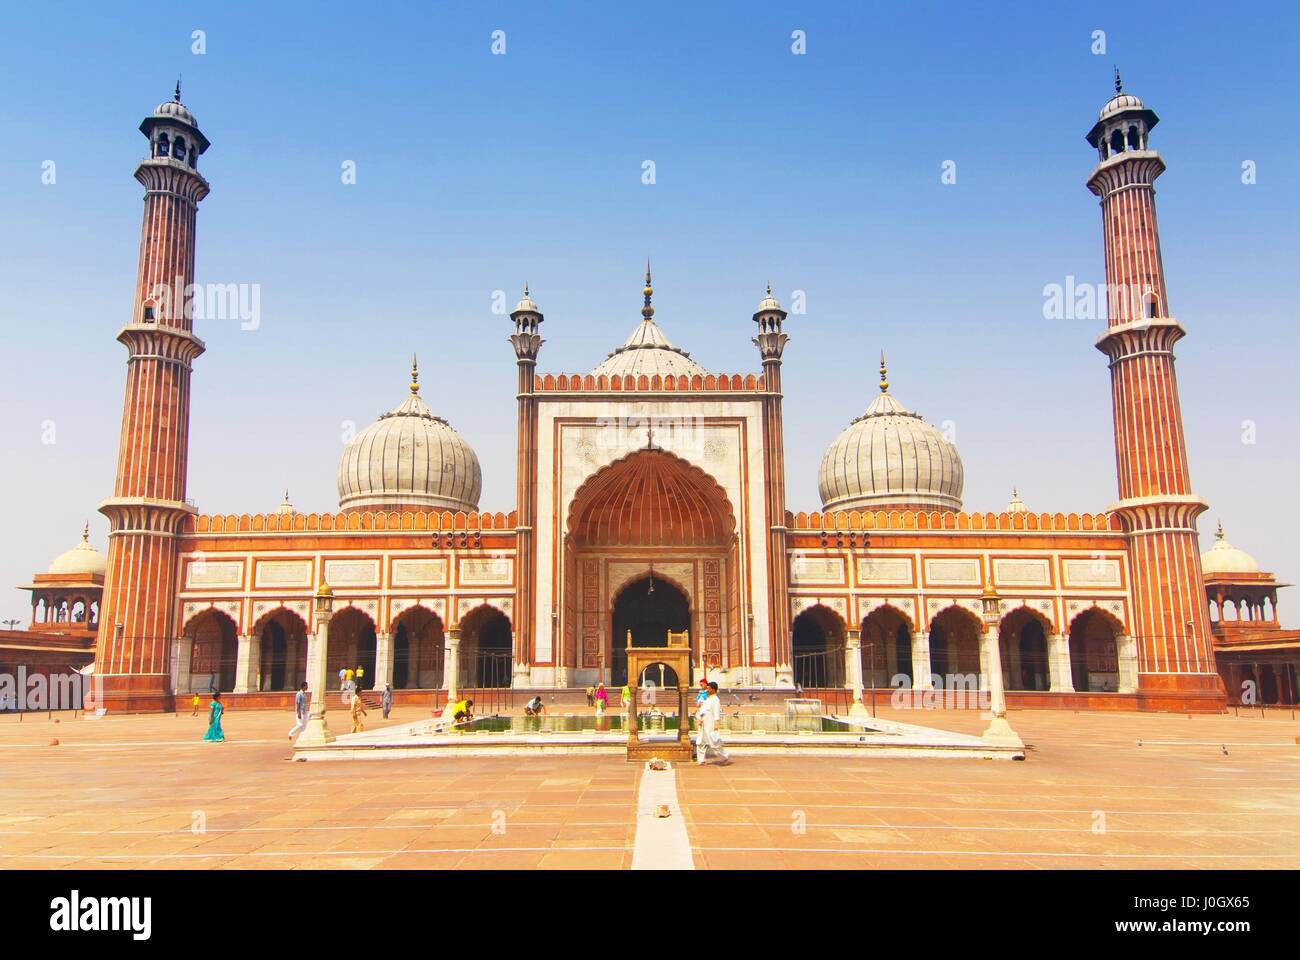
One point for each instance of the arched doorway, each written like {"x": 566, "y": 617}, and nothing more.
{"x": 418, "y": 645}
{"x": 214, "y": 651}
{"x": 485, "y": 645}
{"x": 1094, "y": 657}
{"x": 887, "y": 648}
{"x": 650, "y": 509}
{"x": 351, "y": 645}
{"x": 818, "y": 646}
{"x": 1022, "y": 642}
{"x": 659, "y": 675}
{"x": 282, "y": 648}
{"x": 650, "y": 607}
{"x": 955, "y": 647}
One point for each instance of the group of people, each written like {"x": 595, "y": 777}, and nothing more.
{"x": 708, "y": 713}
{"x": 598, "y": 697}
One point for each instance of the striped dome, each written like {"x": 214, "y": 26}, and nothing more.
{"x": 890, "y": 459}
{"x": 648, "y": 351}
{"x": 409, "y": 459}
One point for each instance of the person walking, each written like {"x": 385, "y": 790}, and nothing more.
{"x": 195, "y": 702}
{"x": 358, "y": 711}
{"x": 709, "y": 739}
{"x": 299, "y": 711}
{"x": 625, "y": 698}
{"x": 215, "y": 734}
{"x": 386, "y": 701}
{"x": 591, "y": 696}
{"x": 602, "y": 699}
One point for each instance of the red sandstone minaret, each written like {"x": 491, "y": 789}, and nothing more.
{"x": 1169, "y": 617}
{"x": 133, "y": 655}
{"x": 771, "y": 340}
{"x": 527, "y": 341}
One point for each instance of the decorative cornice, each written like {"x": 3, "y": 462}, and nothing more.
{"x": 1132, "y": 168}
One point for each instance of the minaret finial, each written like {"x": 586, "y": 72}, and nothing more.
{"x": 415, "y": 376}
{"x": 1119, "y": 84}
{"x": 1219, "y": 534}
{"x": 525, "y": 289}
{"x": 648, "y": 311}
{"x": 176, "y": 97}
{"x": 884, "y": 374}
{"x": 85, "y": 533}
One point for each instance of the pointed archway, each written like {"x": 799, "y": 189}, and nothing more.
{"x": 649, "y": 608}
{"x": 649, "y": 511}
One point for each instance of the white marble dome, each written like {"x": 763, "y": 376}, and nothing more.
{"x": 1223, "y": 557}
{"x": 1118, "y": 104}
{"x": 409, "y": 459}
{"x": 81, "y": 560}
{"x": 648, "y": 351}
{"x": 175, "y": 110}
{"x": 890, "y": 459}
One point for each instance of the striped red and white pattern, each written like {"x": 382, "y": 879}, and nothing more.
{"x": 1170, "y": 620}
{"x": 148, "y": 502}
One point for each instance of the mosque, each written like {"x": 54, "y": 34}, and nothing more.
{"x": 650, "y": 497}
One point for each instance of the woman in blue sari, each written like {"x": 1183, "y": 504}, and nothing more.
{"x": 215, "y": 733}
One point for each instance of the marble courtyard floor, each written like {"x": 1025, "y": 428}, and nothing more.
{"x": 144, "y": 792}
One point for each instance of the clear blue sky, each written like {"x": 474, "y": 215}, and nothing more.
{"x": 477, "y": 172}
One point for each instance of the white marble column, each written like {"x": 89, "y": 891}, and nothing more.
{"x": 1058, "y": 663}
{"x": 1126, "y": 649}
{"x": 247, "y": 664}
{"x": 451, "y": 664}
{"x": 853, "y": 653}
{"x": 921, "y": 679}
{"x": 183, "y": 682}
{"x": 383, "y": 660}
{"x": 988, "y": 644}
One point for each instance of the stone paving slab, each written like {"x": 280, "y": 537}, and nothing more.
{"x": 1097, "y": 791}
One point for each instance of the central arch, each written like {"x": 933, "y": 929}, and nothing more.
{"x": 647, "y": 512}
{"x": 649, "y": 607}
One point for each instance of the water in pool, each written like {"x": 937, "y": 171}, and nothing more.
{"x": 613, "y": 722}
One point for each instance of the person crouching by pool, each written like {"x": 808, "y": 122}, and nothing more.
{"x": 463, "y": 712}
{"x": 534, "y": 707}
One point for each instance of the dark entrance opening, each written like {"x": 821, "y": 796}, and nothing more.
{"x": 649, "y": 614}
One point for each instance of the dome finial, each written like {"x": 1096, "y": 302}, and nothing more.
{"x": 648, "y": 311}
{"x": 1219, "y": 534}
{"x": 1119, "y": 84}
{"x": 176, "y": 97}
{"x": 415, "y": 376}
{"x": 85, "y": 533}
{"x": 884, "y": 374}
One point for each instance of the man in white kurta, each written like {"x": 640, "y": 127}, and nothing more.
{"x": 708, "y": 738}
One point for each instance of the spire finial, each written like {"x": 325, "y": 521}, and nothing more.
{"x": 525, "y": 289}
{"x": 648, "y": 311}
{"x": 415, "y": 376}
{"x": 1119, "y": 84}
{"x": 884, "y": 374}
{"x": 85, "y": 533}
{"x": 176, "y": 97}
{"x": 769, "y": 288}
{"x": 1219, "y": 535}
